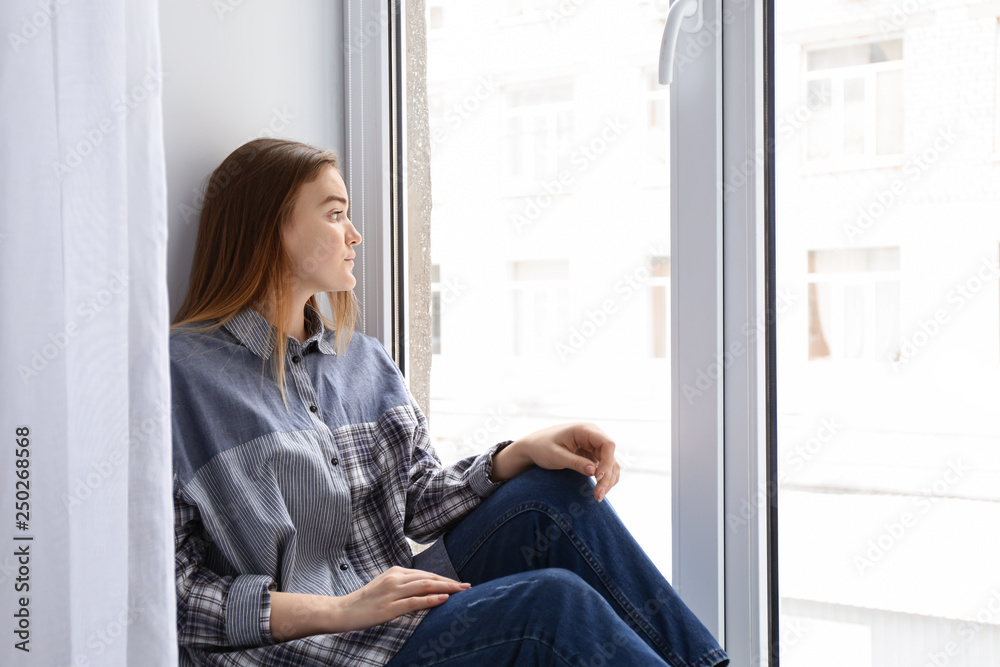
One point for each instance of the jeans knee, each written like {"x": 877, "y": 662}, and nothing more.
{"x": 563, "y": 490}
{"x": 556, "y": 583}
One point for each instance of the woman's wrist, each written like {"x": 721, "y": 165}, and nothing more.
{"x": 510, "y": 462}
{"x": 295, "y": 615}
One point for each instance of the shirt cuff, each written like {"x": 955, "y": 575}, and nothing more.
{"x": 248, "y": 610}
{"x": 483, "y": 465}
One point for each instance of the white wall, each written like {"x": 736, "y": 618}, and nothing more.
{"x": 235, "y": 71}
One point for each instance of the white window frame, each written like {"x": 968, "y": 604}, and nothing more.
{"x": 719, "y": 439}
{"x": 367, "y": 158}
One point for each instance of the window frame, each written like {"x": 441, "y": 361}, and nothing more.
{"x": 723, "y": 441}
{"x": 723, "y": 444}
{"x": 373, "y": 125}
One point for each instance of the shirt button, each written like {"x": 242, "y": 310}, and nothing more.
{"x": 296, "y": 359}
{"x": 313, "y": 408}
{"x": 343, "y": 566}
{"x": 334, "y": 460}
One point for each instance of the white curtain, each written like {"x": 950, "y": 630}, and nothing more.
{"x": 83, "y": 337}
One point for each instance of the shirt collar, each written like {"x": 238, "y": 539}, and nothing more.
{"x": 257, "y": 333}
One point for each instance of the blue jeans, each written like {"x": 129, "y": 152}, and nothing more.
{"x": 556, "y": 579}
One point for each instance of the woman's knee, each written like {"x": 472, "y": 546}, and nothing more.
{"x": 563, "y": 490}
{"x": 558, "y": 586}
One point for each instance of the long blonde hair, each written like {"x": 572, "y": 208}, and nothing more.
{"x": 239, "y": 259}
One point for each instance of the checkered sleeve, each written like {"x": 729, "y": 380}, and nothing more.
{"x": 439, "y": 496}
{"x": 215, "y": 611}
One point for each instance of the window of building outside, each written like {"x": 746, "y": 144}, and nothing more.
{"x": 554, "y": 231}
{"x": 853, "y": 303}
{"x": 538, "y": 133}
{"x": 855, "y": 94}
{"x": 888, "y": 466}
{"x": 541, "y": 295}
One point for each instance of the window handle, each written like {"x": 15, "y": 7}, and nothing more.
{"x": 678, "y": 11}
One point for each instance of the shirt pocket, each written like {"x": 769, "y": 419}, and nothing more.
{"x": 366, "y": 462}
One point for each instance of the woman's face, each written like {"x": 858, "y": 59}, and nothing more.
{"x": 319, "y": 236}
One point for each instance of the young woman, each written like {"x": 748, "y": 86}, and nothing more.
{"x": 293, "y": 500}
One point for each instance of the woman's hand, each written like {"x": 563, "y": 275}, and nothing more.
{"x": 395, "y": 592}
{"x": 580, "y": 446}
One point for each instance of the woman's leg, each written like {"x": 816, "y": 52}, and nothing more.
{"x": 540, "y": 618}
{"x": 549, "y": 519}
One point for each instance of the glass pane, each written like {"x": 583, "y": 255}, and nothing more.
{"x": 854, "y": 116}
{"x": 819, "y": 123}
{"x": 888, "y": 369}
{"x": 819, "y": 318}
{"x": 559, "y": 232}
{"x": 854, "y": 321}
{"x": 887, "y": 318}
{"x": 889, "y": 87}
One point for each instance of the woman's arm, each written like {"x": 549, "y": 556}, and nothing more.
{"x": 395, "y": 592}
{"x": 213, "y": 611}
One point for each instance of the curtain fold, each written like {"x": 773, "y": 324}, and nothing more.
{"x": 84, "y": 322}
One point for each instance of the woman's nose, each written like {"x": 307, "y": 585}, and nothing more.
{"x": 353, "y": 237}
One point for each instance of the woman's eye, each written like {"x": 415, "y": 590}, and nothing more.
{"x": 336, "y": 214}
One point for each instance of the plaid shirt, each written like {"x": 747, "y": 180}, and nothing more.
{"x": 318, "y": 499}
